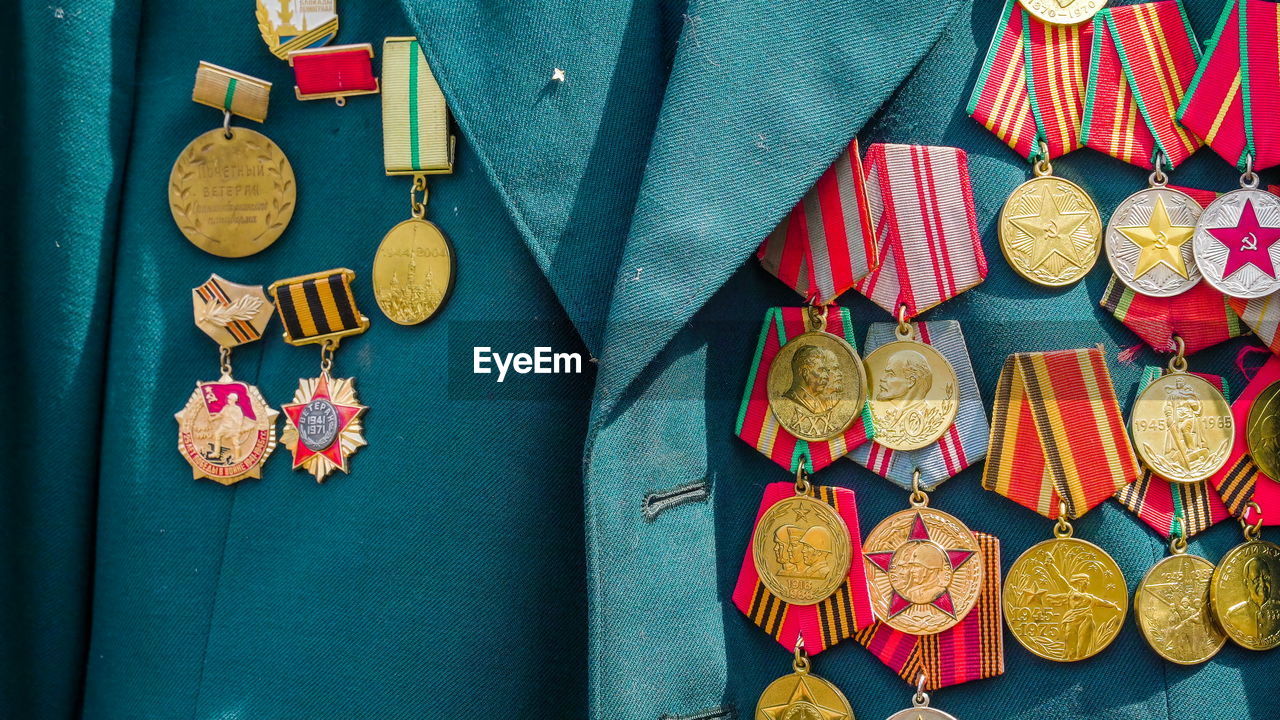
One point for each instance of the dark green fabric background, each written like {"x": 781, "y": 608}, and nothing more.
{"x": 487, "y": 557}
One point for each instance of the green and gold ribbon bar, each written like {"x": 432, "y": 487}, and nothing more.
{"x": 318, "y": 308}
{"x": 234, "y": 92}
{"x": 415, "y": 119}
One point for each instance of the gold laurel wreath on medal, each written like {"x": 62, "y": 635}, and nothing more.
{"x": 265, "y": 27}
{"x": 194, "y": 156}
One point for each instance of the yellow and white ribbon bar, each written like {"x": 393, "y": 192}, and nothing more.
{"x": 240, "y": 94}
{"x": 415, "y": 119}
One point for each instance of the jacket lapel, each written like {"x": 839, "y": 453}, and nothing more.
{"x": 761, "y": 99}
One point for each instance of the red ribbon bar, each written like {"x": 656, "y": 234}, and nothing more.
{"x": 334, "y": 72}
{"x": 1055, "y": 56}
{"x": 1260, "y": 83}
{"x": 1240, "y": 481}
{"x": 826, "y": 243}
{"x": 1214, "y": 106}
{"x": 1000, "y": 100}
{"x": 1112, "y": 122}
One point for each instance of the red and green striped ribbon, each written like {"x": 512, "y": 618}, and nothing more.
{"x": 1144, "y": 57}
{"x": 1000, "y": 100}
{"x": 1234, "y": 99}
{"x": 1171, "y": 508}
{"x": 756, "y": 422}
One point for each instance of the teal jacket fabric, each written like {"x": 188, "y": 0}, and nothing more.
{"x": 498, "y": 550}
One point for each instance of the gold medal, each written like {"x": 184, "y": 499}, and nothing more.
{"x": 1245, "y": 590}
{"x": 232, "y": 191}
{"x": 414, "y": 268}
{"x": 1263, "y": 430}
{"x": 1182, "y": 426}
{"x": 1050, "y": 229}
{"x": 914, "y": 392}
{"x": 226, "y": 431}
{"x": 802, "y": 696}
{"x": 323, "y": 425}
{"x": 816, "y": 383}
{"x": 801, "y": 548}
{"x": 1172, "y": 606}
{"x": 1065, "y": 599}
{"x": 924, "y": 570}
{"x": 1063, "y": 12}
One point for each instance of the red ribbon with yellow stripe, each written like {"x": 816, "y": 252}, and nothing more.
{"x": 1031, "y": 89}
{"x": 1234, "y": 99}
{"x": 1056, "y": 433}
{"x": 1182, "y": 509}
{"x": 840, "y": 616}
{"x": 1144, "y": 57}
{"x": 826, "y": 243}
{"x": 973, "y": 649}
{"x": 756, "y": 422}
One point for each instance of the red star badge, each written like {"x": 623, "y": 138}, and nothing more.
{"x": 1248, "y": 243}
{"x": 916, "y": 542}
{"x": 343, "y": 435}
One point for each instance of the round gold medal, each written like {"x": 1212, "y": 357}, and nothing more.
{"x": 1245, "y": 594}
{"x": 232, "y": 192}
{"x": 913, "y": 394}
{"x": 413, "y": 271}
{"x": 1172, "y": 605}
{"x": 817, "y": 386}
{"x": 1065, "y": 599}
{"x": 1263, "y": 430}
{"x": 1182, "y": 427}
{"x": 226, "y": 431}
{"x": 1063, "y": 12}
{"x": 1050, "y": 231}
{"x": 802, "y": 550}
{"x": 802, "y": 696}
{"x": 923, "y": 570}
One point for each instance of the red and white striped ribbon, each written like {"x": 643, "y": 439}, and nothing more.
{"x": 922, "y": 210}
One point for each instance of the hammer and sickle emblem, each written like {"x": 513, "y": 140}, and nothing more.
{"x": 1250, "y": 242}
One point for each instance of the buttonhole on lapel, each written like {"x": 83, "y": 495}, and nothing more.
{"x": 656, "y": 503}
{"x": 723, "y": 712}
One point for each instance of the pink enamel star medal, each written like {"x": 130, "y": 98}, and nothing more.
{"x": 923, "y": 570}
{"x": 1237, "y": 243}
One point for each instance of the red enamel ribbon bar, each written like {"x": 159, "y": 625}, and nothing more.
{"x": 973, "y": 649}
{"x": 1000, "y": 100}
{"x": 1172, "y": 508}
{"x": 1056, "y": 433}
{"x": 847, "y": 611}
{"x": 826, "y": 243}
{"x": 1234, "y": 100}
{"x": 1144, "y": 58}
{"x": 334, "y": 72}
{"x": 922, "y": 209}
{"x": 756, "y": 422}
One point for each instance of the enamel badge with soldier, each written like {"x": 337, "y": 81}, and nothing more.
{"x": 227, "y": 430}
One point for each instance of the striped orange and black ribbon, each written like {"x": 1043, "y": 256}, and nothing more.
{"x": 241, "y": 330}
{"x": 971, "y": 650}
{"x": 1057, "y": 435}
{"x": 318, "y": 308}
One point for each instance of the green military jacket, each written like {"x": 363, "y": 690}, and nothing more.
{"x": 498, "y": 550}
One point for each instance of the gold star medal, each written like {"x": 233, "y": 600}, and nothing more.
{"x": 1172, "y": 605}
{"x": 323, "y": 424}
{"x": 802, "y": 695}
{"x": 232, "y": 190}
{"x": 1050, "y": 230}
{"x": 227, "y": 430}
{"x": 1149, "y": 241}
{"x": 414, "y": 268}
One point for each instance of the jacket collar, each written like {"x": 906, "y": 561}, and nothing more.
{"x": 642, "y": 202}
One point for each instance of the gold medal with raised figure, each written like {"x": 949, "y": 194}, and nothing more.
{"x": 1172, "y": 605}
{"x": 913, "y": 392}
{"x": 802, "y": 550}
{"x": 817, "y": 384}
{"x": 1182, "y": 427}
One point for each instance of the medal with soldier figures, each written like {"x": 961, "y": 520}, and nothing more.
{"x": 227, "y": 430}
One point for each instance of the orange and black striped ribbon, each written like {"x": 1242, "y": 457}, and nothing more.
{"x": 241, "y": 330}
{"x": 971, "y": 650}
{"x": 319, "y": 307}
{"x": 1057, "y": 434}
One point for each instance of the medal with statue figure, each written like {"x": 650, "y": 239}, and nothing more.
{"x": 226, "y": 431}
{"x": 289, "y": 26}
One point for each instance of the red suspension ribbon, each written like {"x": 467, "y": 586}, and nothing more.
{"x": 1234, "y": 100}
{"x": 1032, "y": 85}
{"x": 826, "y": 243}
{"x": 334, "y": 72}
{"x": 922, "y": 210}
{"x": 1240, "y": 481}
{"x": 1144, "y": 57}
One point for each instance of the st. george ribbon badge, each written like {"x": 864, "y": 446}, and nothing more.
{"x": 227, "y": 430}
{"x": 290, "y": 25}
{"x": 323, "y": 425}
